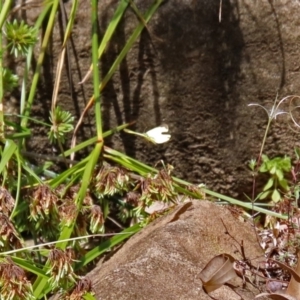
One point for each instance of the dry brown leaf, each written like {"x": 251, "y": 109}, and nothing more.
{"x": 276, "y": 296}
{"x": 293, "y": 290}
{"x": 218, "y": 271}
{"x": 294, "y": 273}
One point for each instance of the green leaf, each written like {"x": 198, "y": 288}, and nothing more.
{"x": 264, "y": 167}
{"x": 286, "y": 164}
{"x": 264, "y": 195}
{"x": 273, "y": 170}
{"x": 279, "y": 174}
{"x": 284, "y": 184}
{"x": 276, "y": 196}
{"x": 269, "y": 184}
{"x": 277, "y": 163}
{"x": 89, "y": 296}
{"x": 10, "y": 80}
{"x": 252, "y": 164}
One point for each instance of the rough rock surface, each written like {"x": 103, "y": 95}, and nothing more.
{"x": 164, "y": 260}
{"x": 194, "y": 73}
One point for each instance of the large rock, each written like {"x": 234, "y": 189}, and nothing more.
{"x": 165, "y": 259}
{"x": 195, "y": 73}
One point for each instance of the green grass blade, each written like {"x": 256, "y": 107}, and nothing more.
{"x": 66, "y": 175}
{"x": 28, "y": 266}
{"x": 96, "y": 76}
{"x": 70, "y": 22}
{"x": 128, "y": 162}
{"x": 29, "y": 56}
{"x": 130, "y": 43}
{"x": 107, "y": 245}
{"x": 18, "y": 184}
{"x": 143, "y": 169}
{"x": 40, "y": 60}
{"x": 112, "y": 27}
{"x": 8, "y": 152}
{"x": 4, "y": 11}
{"x": 94, "y": 140}
{"x": 31, "y": 172}
{"x": 87, "y": 174}
{"x": 244, "y": 204}
{"x": 41, "y": 283}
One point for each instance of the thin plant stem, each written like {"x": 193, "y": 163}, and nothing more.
{"x": 4, "y": 9}
{"x": 96, "y": 76}
{"x": 1, "y": 79}
{"x": 29, "y": 56}
{"x": 109, "y": 33}
{"x": 37, "y": 72}
{"x": 264, "y": 140}
{"x": 117, "y": 62}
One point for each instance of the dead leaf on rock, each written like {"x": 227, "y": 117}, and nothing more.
{"x": 217, "y": 272}
{"x": 276, "y": 296}
{"x": 293, "y": 290}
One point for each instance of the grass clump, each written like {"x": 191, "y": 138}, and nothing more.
{"x": 64, "y": 212}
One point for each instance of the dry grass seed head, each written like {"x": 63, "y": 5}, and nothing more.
{"x": 61, "y": 266}
{"x": 132, "y": 198}
{"x": 68, "y": 211}
{"x": 7, "y": 202}
{"x": 83, "y": 286}
{"x": 14, "y": 284}
{"x": 96, "y": 219}
{"x": 159, "y": 187}
{"x": 44, "y": 203}
{"x": 9, "y": 238}
{"x": 111, "y": 180}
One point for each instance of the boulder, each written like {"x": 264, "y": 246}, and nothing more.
{"x": 165, "y": 259}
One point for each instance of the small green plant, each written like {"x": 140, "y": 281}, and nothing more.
{"x": 62, "y": 123}
{"x": 10, "y": 80}
{"x": 277, "y": 185}
{"x": 277, "y": 168}
{"x": 20, "y": 37}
